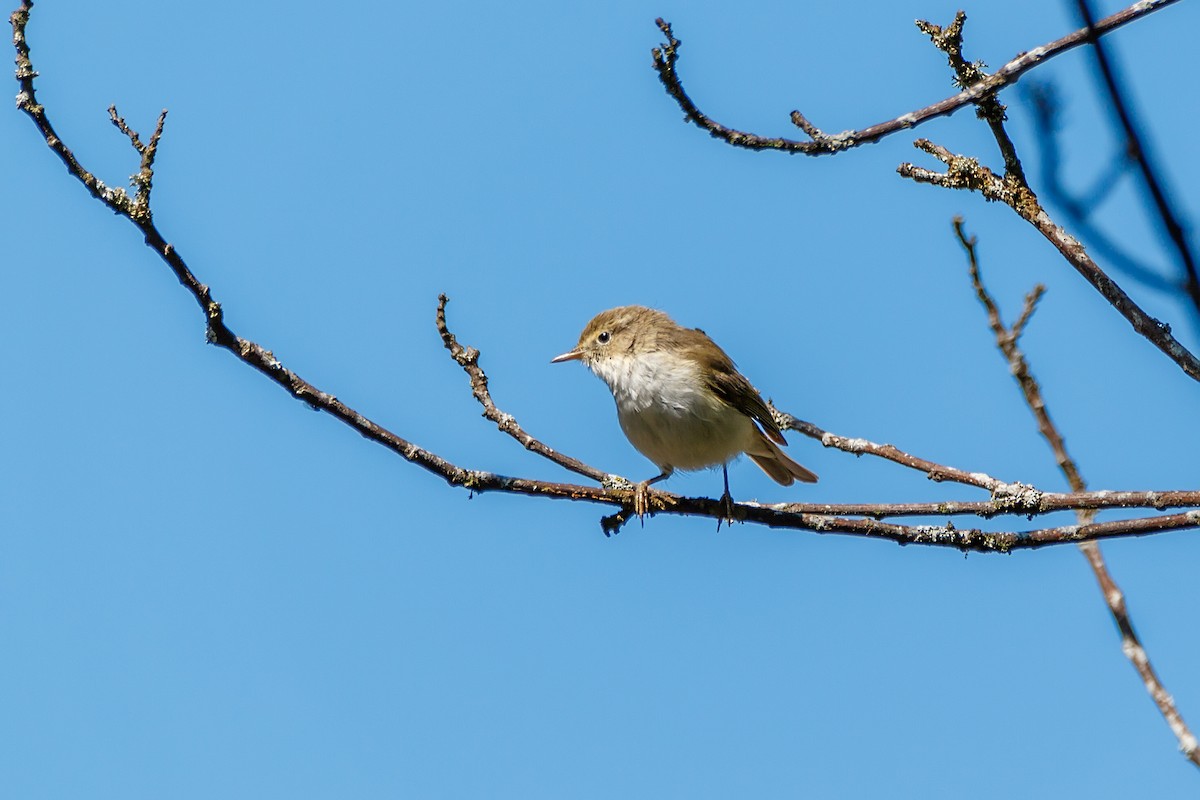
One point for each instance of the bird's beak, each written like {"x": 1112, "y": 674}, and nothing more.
{"x": 574, "y": 355}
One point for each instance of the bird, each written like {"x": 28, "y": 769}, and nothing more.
{"x": 681, "y": 401}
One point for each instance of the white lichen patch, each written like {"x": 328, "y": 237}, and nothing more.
{"x": 1134, "y": 652}
{"x": 615, "y": 482}
{"x": 851, "y": 445}
{"x": 1017, "y": 497}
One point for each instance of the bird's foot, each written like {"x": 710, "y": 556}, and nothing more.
{"x": 726, "y": 510}
{"x": 644, "y": 498}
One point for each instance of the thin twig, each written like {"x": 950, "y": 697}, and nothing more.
{"x": 950, "y": 41}
{"x": 1031, "y": 301}
{"x": 1114, "y": 598}
{"x": 120, "y": 124}
{"x": 863, "y": 447}
{"x": 666, "y": 57}
{"x": 468, "y": 359}
{"x": 1042, "y": 103}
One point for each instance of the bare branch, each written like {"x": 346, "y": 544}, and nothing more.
{"x": 666, "y": 57}
{"x": 969, "y": 540}
{"x": 859, "y": 447}
{"x": 1012, "y": 499}
{"x": 1114, "y": 598}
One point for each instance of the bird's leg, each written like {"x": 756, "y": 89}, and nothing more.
{"x": 726, "y": 499}
{"x": 641, "y": 493}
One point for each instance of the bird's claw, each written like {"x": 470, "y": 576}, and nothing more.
{"x": 726, "y": 510}
{"x": 644, "y": 497}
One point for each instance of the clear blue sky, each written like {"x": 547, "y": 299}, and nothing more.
{"x": 208, "y": 590}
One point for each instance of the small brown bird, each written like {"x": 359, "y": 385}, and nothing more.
{"x": 680, "y": 400}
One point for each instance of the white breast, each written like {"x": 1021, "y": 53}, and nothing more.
{"x": 669, "y": 417}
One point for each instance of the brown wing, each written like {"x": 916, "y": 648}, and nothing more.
{"x": 728, "y": 384}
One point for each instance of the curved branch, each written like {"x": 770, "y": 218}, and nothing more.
{"x": 666, "y": 57}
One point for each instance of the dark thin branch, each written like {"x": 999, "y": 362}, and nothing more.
{"x": 967, "y": 173}
{"x": 1007, "y": 342}
{"x": 1042, "y": 104}
{"x": 666, "y": 57}
{"x": 1141, "y": 156}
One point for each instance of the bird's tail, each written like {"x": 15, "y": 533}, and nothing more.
{"x": 776, "y": 463}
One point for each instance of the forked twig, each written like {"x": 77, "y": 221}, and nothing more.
{"x": 666, "y": 58}
{"x": 1114, "y": 598}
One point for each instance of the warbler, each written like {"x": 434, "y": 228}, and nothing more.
{"x": 680, "y": 399}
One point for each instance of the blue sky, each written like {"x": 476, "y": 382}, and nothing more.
{"x": 207, "y": 589}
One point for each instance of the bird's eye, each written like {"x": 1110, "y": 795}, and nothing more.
{"x": 603, "y": 337}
